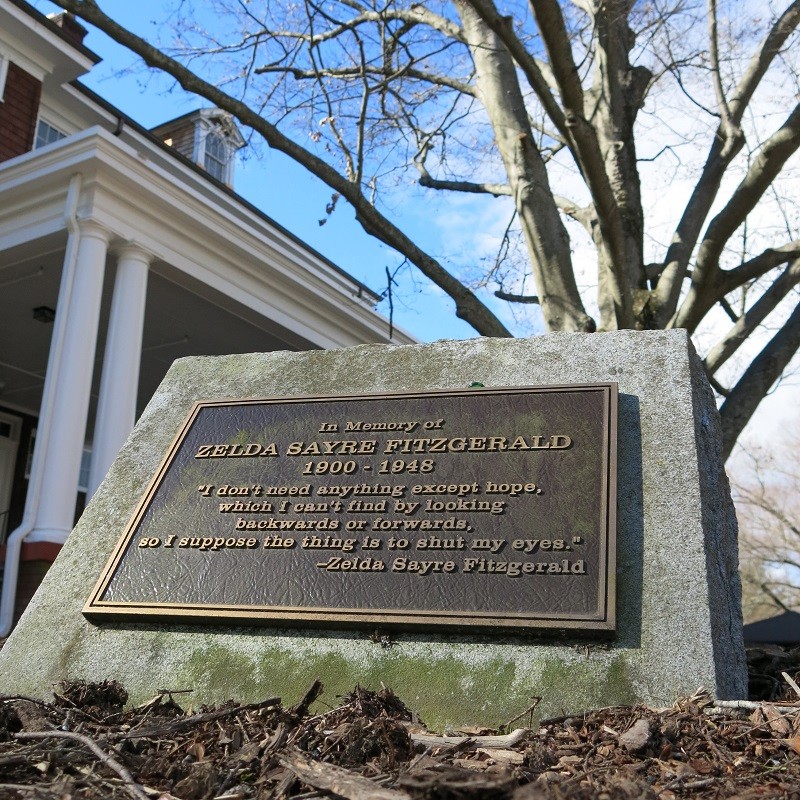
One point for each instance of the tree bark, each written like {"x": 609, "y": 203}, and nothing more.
{"x": 707, "y": 275}
{"x": 757, "y": 380}
{"x": 727, "y": 142}
{"x": 545, "y": 236}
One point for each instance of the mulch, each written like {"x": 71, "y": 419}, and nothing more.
{"x": 86, "y": 744}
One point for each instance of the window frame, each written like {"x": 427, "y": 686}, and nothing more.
{"x": 220, "y": 160}
{"x": 42, "y": 121}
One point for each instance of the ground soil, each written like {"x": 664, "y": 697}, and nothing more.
{"x": 370, "y": 746}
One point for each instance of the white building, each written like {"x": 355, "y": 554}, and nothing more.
{"x": 122, "y": 249}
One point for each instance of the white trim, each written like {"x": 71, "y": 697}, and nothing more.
{"x": 40, "y": 51}
{"x": 119, "y": 381}
{"x": 205, "y": 127}
{"x": 199, "y": 231}
{"x": 37, "y": 70}
{"x": 69, "y": 384}
{"x": 54, "y": 362}
{"x": 3, "y": 75}
{"x": 15, "y": 426}
{"x": 59, "y": 116}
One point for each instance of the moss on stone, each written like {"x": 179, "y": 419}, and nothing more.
{"x": 444, "y": 691}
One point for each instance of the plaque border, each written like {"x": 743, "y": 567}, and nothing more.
{"x": 600, "y": 622}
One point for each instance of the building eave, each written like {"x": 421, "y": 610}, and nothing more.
{"x": 57, "y": 57}
{"x": 212, "y": 237}
{"x": 215, "y": 186}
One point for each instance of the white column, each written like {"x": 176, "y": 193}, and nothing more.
{"x": 79, "y": 309}
{"x": 116, "y": 409}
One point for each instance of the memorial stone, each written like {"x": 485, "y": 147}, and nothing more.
{"x": 438, "y": 518}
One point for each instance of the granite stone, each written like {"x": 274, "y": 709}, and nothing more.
{"x": 678, "y": 595}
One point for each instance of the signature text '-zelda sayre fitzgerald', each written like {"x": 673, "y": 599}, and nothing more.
{"x": 375, "y": 500}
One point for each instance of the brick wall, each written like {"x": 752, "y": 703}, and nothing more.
{"x": 18, "y": 113}
{"x": 35, "y": 559}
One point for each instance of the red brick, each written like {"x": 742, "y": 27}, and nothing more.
{"x": 18, "y": 113}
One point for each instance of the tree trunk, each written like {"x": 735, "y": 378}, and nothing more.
{"x": 612, "y": 105}
{"x": 545, "y": 236}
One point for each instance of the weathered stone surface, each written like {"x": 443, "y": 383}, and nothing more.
{"x": 678, "y": 611}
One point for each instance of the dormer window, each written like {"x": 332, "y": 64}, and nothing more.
{"x": 208, "y": 137}
{"x": 217, "y": 160}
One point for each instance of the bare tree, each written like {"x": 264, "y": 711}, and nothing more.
{"x": 498, "y": 99}
{"x": 766, "y": 488}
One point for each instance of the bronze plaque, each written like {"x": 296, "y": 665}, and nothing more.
{"x": 479, "y": 508}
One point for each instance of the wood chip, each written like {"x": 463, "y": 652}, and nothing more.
{"x": 502, "y": 755}
{"x": 342, "y": 782}
{"x": 637, "y": 736}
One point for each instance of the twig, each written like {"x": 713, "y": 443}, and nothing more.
{"x": 517, "y": 298}
{"x": 313, "y": 692}
{"x": 752, "y": 705}
{"x": 678, "y": 783}
{"x": 529, "y": 710}
{"x": 584, "y": 714}
{"x": 788, "y": 678}
{"x": 135, "y": 790}
{"x": 10, "y": 761}
{"x": 187, "y": 722}
{"x": 11, "y": 698}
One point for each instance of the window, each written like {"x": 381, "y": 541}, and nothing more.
{"x": 83, "y": 475}
{"x": 216, "y": 156}
{"x": 47, "y": 134}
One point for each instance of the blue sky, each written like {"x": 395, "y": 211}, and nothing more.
{"x": 275, "y": 184}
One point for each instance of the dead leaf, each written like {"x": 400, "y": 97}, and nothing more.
{"x": 794, "y": 744}
{"x": 778, "y": 724}
{"x": 196, "y": 749}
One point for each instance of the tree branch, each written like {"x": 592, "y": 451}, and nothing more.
{"x": 728, "y": 309}
{"x": 417, "y": 14}
{"x": 730, "y": 129}
{"x": 574, "y": 127}
{"x": 768, "y": 163}
{"x": 586, "y": 215}
{"x": 759, "y": 265}
{"x": 757, "y": 379}
{"x": 358, "y": 71}
{"x": 494, "y": 189}
{"x": 721, "y": 153}
{"x": 517, "y": 298}
{"x": 545, "y": 236}
{"x": 752, "y": 318}
{"x": 468, "y": 307}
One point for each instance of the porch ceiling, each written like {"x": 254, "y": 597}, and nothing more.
{"x": 181, "y": 319}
